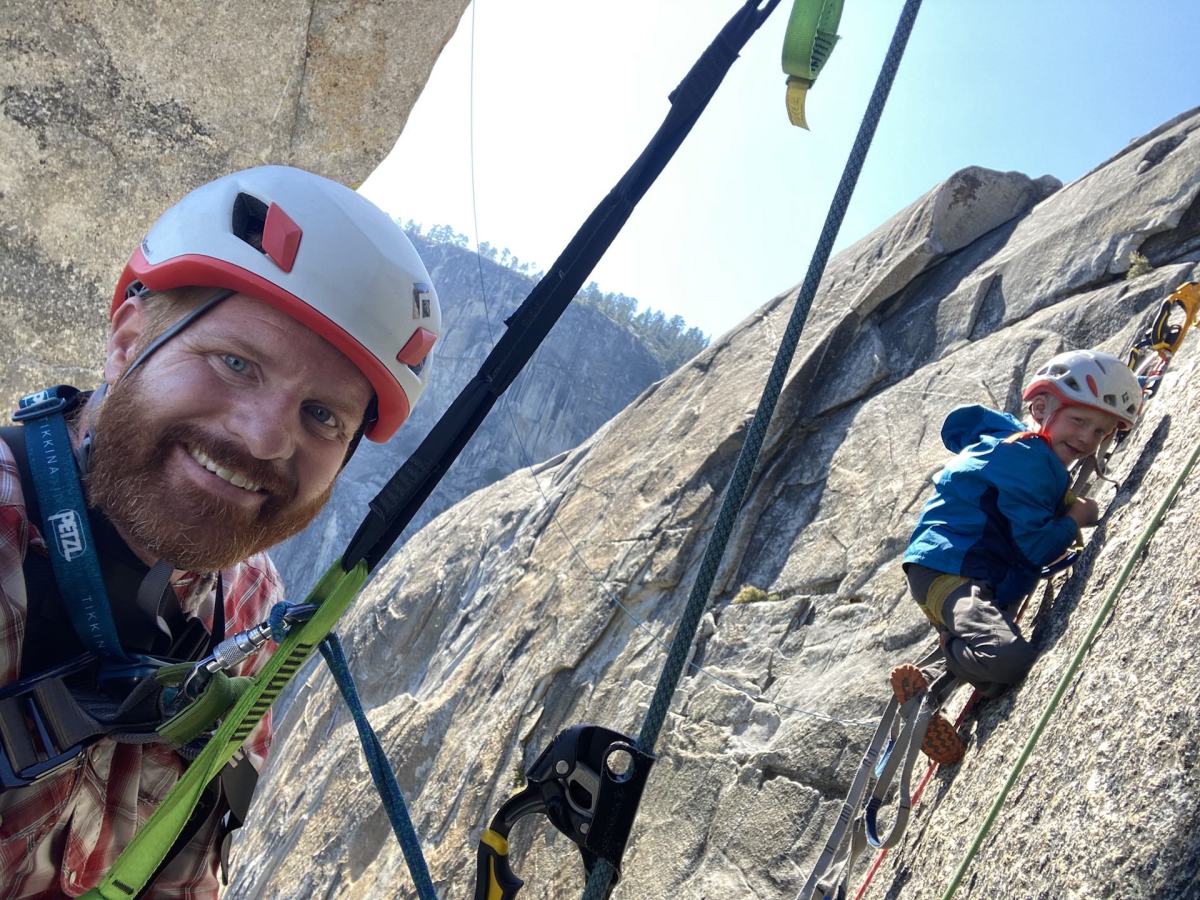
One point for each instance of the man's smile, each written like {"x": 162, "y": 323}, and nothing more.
{"x": 234, "y": 478}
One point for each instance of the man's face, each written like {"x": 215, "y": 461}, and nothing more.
{"x": 1075, "y": 432}
{"x": 228, "y": 439}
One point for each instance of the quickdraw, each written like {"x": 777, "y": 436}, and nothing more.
{"x": 1163, "y": 337}
{"x": 588, "y": 783}
{"x": 893, "y": 747}
{"x": 1149, "y": 358}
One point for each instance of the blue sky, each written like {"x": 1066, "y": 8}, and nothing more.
{"x": 566, "y": 93}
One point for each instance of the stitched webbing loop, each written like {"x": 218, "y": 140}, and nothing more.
{"x": 137, "y": 863}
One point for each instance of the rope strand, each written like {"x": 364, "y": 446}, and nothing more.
{"x": 601, "y": 875}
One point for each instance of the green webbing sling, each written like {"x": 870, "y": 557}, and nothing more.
{"x": 807, "y": 45}
{"x": 137, "y": 863}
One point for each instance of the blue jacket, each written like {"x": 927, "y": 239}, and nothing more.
{"x": 994, "y": 514}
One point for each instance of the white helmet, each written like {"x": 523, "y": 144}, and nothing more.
{"x": 315, "y": 250}
{"x": 1090, "y": 378}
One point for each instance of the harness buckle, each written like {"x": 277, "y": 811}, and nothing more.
{"x": 588, "y": 783}
{"x": 60, "y": 399}
{"x": 42, "y": 729}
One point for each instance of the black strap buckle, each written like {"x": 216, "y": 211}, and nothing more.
{"x": 588, "y": 783}
{"x": 42, "y": 729}
{"x": 60, "y": 399}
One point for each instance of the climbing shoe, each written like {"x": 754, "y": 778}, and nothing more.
{"x": 942, "y": 743}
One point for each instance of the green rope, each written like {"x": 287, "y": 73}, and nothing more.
{"x": 1067, "y": 676}
{"x": 602, "y": 874}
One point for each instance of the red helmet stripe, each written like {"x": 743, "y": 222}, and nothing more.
{"x": 206, "y": 271}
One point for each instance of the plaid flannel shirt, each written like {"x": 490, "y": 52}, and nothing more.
{"x": 60, "y": 836}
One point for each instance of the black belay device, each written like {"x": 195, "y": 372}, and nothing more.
{"x": 588, "y": 783}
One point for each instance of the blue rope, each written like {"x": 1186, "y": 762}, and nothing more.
{"x": 278, "y": 619}
{"x": 281, "y": 617}
{"x": 601, "y": 875}
{"x": 381, "y": 770}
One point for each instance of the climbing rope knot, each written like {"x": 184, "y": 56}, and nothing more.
{"x": 284, "y": 615}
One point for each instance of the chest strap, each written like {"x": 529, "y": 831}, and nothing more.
{"x": 64, "y": 521}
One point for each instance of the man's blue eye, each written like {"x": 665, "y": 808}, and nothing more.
{"x": 236, "y": 363}
{"x": 323, "y": 415}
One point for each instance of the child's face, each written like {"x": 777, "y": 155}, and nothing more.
{"x": 1075, "y": 432}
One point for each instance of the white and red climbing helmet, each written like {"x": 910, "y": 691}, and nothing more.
{"x": 315, "y": 250}
{"x": 1090, "y": 378}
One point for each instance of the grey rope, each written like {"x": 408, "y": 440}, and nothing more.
{"x": 528, "y": 462}
{"x": 601, "y": 875}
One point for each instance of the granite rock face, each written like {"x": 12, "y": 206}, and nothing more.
{"x": 544, "y": 600}
{"x": 110, "y": 114}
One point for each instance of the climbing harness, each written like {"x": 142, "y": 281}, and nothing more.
{"x": 588, "y": 783}
{"x": 44, "y": 723}
{"x": 807, "y": 45}
{"x": 396, "y": 504}
{"x": 84, "y": 685}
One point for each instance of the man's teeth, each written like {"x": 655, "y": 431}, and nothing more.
{"x": 221, "y": 472}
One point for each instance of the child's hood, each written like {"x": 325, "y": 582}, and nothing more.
{"x": 967, "y": 424}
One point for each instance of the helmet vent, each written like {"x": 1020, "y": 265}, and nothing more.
{"x": 1072, "y": 383}
{"x": 249, "y": 220}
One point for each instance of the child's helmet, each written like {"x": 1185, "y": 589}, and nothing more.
{"x": 315, "y": 250}
{"x": 1090, "y": 378}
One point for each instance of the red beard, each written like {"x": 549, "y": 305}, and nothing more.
{"x": 192, "y": 529}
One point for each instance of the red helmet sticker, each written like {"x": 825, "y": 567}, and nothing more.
{"x": 281, "y": 237}
{"x": 417, "y": 347}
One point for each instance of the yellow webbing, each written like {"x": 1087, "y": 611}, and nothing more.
{"x": 807, "y": 44}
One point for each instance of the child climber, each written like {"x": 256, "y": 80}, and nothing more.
{"x": 1001, "y": 511}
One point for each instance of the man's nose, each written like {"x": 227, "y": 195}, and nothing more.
{"x": 265, "y": 424}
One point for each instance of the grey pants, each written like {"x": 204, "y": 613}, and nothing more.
{"x": 982, "y": 642}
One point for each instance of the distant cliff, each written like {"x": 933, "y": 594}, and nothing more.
{"x": 498, "y": 623}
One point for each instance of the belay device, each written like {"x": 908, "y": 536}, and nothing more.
{"x": 588, "y": 783}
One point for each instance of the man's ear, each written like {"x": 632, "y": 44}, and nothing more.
{"x": 123, "y": 333}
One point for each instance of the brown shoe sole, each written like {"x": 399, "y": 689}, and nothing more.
{"x": 942, "y": 743}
